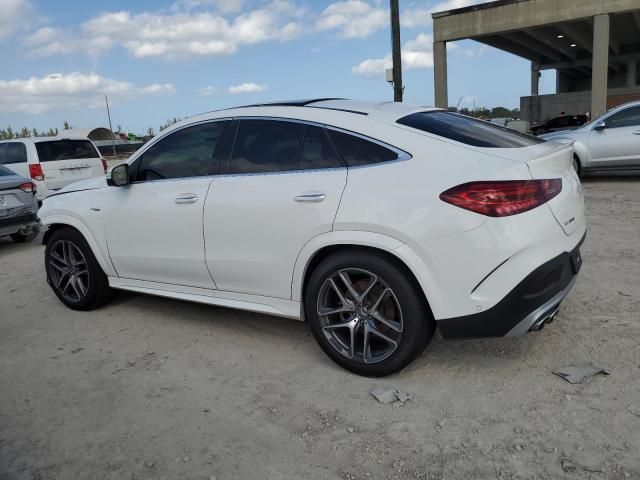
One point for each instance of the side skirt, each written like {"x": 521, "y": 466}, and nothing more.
{"x": 241, "y": 301}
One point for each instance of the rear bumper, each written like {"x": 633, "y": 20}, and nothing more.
{"x": 534, "y": 301}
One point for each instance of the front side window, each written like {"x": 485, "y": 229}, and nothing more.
{"x": 629, "y": 117}
{"x": 264, "y": 146}
{"x": 16, "y": 153}
{"x": 65, "y": 150}
{"x": 317, "y": 151}
{"x": 467, "y": 130}
{"x": 189, "y": 152}
{"x": 357, "y": 151}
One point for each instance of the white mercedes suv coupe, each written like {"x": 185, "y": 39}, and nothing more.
{"x": 374, "y": 222}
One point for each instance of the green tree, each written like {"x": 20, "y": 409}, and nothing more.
{"x": 66, "y": 125}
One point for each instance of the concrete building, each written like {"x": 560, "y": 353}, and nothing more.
{"x": 594, "y": 46}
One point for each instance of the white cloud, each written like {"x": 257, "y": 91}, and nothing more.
{"x": 208, "y": 90}
{"x": 247, "y": 88}
{"x": 14, "y": 15}
{"x": 223, "y": 6}
{"x": 353, "y": 18}
{"x": 416, "y": 54}
{"x": 40, "y": 94}
{"x": 177, "y": 34}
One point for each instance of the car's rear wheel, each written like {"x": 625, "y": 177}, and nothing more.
{"x": 367, "y": 313}
{"x": 576, "y": 165}
{"x": 26, "y": 234}
{"x": 73, "y": 272}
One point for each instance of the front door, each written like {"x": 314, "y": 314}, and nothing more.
{"x": 154, "y": 225}
{"x": 280, "y": 188}
{"x": 617, "y": 145}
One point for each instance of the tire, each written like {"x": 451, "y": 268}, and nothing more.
{"x": 576, "y": 165}
{"x": 30, "y": 234}
{"x": 395, "y": 297}
{"x": 87, "y": 287}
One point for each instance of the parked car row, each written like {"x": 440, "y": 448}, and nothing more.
{"x": 18, "y": 206}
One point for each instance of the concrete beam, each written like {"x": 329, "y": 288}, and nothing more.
{"x": 440, "y": 74}
{"x": 636, "y": 19}
{"x": 534, "y": 45}
{"x": 549, "y": 37}
{"x": 587, "y": 62}
{"x": 502, "y": 43}
{"x": 601, "y": 31}
{"x": 504, "y": 17}
{"x": 580, "y": 34}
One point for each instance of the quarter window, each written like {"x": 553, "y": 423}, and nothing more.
{"x": 357, "y": 151}
{"x": 317, "y": 150}
{"x": 629, "y": 117}
{"x": 3, "y": 152}
{"x": 263, "y": 146}
{"x": 467, "y": 130}
{"x": 186, "y": 153}
{"x": 16, "y": 153}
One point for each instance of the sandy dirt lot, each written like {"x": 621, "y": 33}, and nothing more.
{"x": 150, "y": 388}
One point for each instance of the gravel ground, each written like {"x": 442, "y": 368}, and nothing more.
{"x": 151, "y": 388}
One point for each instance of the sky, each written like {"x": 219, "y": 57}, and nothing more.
{"x": 160, "y": 59}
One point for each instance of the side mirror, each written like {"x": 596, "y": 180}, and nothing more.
{"x": 118, "y": 176}
{"x": 600, "y": 125}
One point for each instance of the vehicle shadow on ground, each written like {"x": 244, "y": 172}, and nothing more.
{"x": 440, "y": 353}
{"x": 621, "y": 177}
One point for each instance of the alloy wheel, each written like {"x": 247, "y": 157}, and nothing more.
{"x": 69, "y": 271}
{"x": 360, "y": 315}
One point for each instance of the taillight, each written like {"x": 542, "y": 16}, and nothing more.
{"x": 104, "y": 165}
{"x": 28, "y": 187}
{"x": 35, "y": 171}
{"x": 502, "y": 198}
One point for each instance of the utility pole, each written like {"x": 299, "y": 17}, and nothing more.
{"x": 113, "y": 143}
{"x": 395, "y": 49}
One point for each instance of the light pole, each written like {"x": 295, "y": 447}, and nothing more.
{"x": 396, "y": 55}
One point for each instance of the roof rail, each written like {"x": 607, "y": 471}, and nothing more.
{"x": 290, "y": 103}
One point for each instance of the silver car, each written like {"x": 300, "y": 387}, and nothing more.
{"x": 607, "y": 144}
{"x": 18, "y": 206}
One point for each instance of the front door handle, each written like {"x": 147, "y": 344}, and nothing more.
{"x": 187, "y": 198}
{"x": 310, "y": 197}
{"x": 637, "y": 132}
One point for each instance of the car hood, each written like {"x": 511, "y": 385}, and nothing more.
{"x": 88, "y": 184}
{"x": 563, "y": 134}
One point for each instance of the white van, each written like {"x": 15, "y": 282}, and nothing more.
{"x": 52, "y": 162}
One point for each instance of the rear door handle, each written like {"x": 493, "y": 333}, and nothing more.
{"x": 187, "y": 198}
{"x": 637, "y": 132}
{"x": 310, "y": 197}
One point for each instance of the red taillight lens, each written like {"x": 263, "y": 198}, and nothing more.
{"x": 502, "y": 198}
{"x": 104, "y": 165}
{"x": 28, "y": 187}
{"x": 35, "y": 171}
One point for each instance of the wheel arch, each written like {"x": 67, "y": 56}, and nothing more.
{"x": 323, "y": 246}
{"x": 57, "y": 222}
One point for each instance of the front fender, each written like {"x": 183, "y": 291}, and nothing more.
{"x": 73, "y": 221}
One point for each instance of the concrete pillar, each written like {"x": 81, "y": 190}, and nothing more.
{"x": 600, "y": 65}
{"x": 440, "y": 74}
{"x": 632, "y": 66}
{"x": 535, "y": 77}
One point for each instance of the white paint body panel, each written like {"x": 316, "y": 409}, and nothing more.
{"x": 256, "y": 242}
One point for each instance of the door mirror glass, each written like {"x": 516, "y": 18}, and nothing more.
{"x": 600, "y": 125}
{"x": 118, "y": 176}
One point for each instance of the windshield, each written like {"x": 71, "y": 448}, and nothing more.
{"x": 65, "y": 150}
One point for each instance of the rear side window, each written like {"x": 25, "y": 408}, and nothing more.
{"x": 468, "y": 130}
{"x": 65, "y": 150}
{"x": 317, "y": 151}
{"x": 189, "y": 152}
{"x": 264, "y": 146}
{"x": 16, "y": 153}
{"x": 357, "y": 151}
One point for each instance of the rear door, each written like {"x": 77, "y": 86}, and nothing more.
{"x": 67, "y": 161}
{"x": 617, "y": 145}
{"x": 280, "y": 188}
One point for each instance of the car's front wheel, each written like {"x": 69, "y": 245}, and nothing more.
{"x": 367, "y": 313}
{"x": 73, "y": 272}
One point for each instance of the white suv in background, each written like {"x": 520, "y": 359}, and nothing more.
{"x": 52, "y": 162}
{"x": 374, "y": 222}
